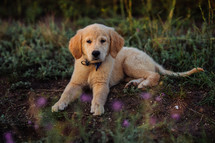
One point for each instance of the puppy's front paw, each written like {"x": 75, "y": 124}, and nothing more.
{"x": 97, "y": 109}
{"x": 60, "y": 105}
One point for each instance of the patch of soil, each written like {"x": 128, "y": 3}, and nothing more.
{"x": 15, "y": 116}
{"x": 18, "y": 109}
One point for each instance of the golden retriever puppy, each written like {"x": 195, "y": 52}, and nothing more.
{"x": 101, "y": 61}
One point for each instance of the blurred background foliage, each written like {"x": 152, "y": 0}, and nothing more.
{"x": 32, "y": 10}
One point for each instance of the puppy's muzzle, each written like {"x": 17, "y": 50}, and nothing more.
{"x": 96, "y": 54}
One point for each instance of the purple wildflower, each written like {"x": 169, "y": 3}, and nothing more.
{"x": 48, "y": 127}
{"x": 175, "y": 116}
{"x": 29, "y": 122}
{"x": 162, "y": 94}
{"x": 86, "y": 98}
{"x": 138, "y": 30}
{"x": 152, "y": 120}
{"x": 126, "y": 123}
{"x": 36, "y": 126}
{"x": 117, "y": 105}
{"x": 8, "y": 137}
{"x": 145, "y": 95}
{"x": 158, "y": 98}
{"x": 41, "y": 101}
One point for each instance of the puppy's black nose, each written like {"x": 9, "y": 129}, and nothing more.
{"x": 96, "y": 54}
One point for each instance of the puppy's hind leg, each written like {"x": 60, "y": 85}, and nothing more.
{"x": 143, "y": 78}
{"x": 150, "y": 81}
{"x": 142, "y": 68}
{"x": 134, "y": 82}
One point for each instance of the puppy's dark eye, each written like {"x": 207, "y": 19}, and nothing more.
{"x": 89, "y": 41}
{"x": 102, "y": 41}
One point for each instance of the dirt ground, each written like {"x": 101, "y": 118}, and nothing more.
{"x": 17, "y": 109}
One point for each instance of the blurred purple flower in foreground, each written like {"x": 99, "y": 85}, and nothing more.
{"x": 8, "y": 137}
{"x": 158, "y": 98}
{"x": 117, "y": 105}
{"x": 162, "y": 94}
{"x": 175, "y": 116}
{"x": 152, "y": 120}
{"x": 36, "y": 126}
{"x": 145, "y": 95}
{"x": 126, "y": 123}
{"x": 41, "y": 101}
{"x": 48, "y": 127}
{"x": 29, "y": 122}
{"x": 86, "y": 98}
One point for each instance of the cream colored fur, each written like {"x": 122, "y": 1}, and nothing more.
{"x": 117, "y": 62}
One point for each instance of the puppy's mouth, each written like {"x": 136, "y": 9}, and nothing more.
{"x": 96, "y": 60}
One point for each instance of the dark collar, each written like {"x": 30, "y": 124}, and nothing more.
{"x": 87, "y": 63}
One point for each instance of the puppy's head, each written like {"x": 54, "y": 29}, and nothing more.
{"x": 95, "y": 42}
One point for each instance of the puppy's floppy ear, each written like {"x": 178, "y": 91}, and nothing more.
{"x": 116, "y": 43}
{"x": 75, "y": 45}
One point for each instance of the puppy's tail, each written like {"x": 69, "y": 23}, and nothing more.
{"x": 182, "y": 74}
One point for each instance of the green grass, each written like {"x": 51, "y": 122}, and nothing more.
{"x": 34, "y": 51}
{"x": 40, "y": 51}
